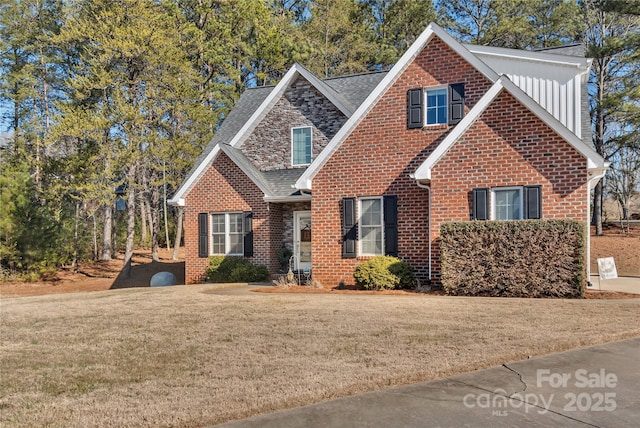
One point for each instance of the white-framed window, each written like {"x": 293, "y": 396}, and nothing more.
{"x": 507, "y": 203}
{"x": 436, "y": 105}
{"x": 371, "y": 226}
{"x": 227, "y": 234}
{"x": 301, "y": 145}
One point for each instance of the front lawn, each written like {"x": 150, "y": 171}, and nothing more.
{"x": 182, "y": 357}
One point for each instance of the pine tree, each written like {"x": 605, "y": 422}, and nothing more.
{"x": 612, "y": 40}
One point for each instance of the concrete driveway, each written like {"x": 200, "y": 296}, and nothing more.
{"x": 627, "y": 284}
{"x": 597, "y": 386}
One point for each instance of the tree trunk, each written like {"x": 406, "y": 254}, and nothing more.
{"x": 597, "y": 208}
{"x": 95, "y": 236}
{"x": 131, "y": 221}
{"x": 75, "y": 265}
{"x": 107, "y": 233}
{"x": 144, "y": 237}
{"x": 176, "y": 245}
{"x": 155, "y": 222}
{"x": 164, "y": 206}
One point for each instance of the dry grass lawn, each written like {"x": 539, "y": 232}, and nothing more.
{"x": 184, "y": 357}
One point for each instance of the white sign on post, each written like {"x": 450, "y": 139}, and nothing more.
{"x": 607, "y": 268}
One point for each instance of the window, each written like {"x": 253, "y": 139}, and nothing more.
{"x": 301, "y": 146}
{"x": 375, "y": 231}
{"x": 371, "y": 226}
{"x": 507, "y": 203}
{"x": 227, "y": 234}
{"x": 436, "y": 106}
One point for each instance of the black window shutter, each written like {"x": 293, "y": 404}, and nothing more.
{"x": 533, "y": 202}
{"x": 456, "y": 103}
{"x": 248, "y": 234}
{"x": 480, "y": 204}
{"x": 390, "y": 206}
{"x": 349, "y": 227}
{"x": 203, "y": 235}
{"x": 415, "y": 109}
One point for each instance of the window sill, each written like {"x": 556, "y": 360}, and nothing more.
{"x": 434, "y": 128}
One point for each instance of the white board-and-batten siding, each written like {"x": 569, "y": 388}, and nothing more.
{"x": 553, "y": 81}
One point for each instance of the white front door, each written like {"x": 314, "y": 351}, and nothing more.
{"x": 302, "y": 239}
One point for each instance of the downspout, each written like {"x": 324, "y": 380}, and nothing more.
{"x": 591, "y": 183}
{"x": 428, "y": 188}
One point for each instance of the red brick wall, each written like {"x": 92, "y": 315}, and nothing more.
{"x": 508, "y": 146}
{"x": 377, "y": 158}
{"x": 224, "y": 187}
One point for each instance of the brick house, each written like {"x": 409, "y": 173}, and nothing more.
{"x": 338, "y": 170}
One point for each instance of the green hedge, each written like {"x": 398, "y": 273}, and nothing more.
{"x": 234, "y": 269}
{"x": 529, "y": 258}
{"x": 383, "y": 272}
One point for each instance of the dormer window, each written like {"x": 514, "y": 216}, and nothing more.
{"x": 301, "y": 146}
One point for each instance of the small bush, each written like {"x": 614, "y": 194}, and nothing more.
{"x": 383, "y": 272}
{"x": 235, "y": 269}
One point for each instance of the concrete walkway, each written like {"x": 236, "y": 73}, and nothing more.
{"x": 627, "y": 284}
{"x": 597, "y": 386}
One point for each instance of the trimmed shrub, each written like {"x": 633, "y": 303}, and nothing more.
{"x": 383, "y": 272}
{"x": 528, "y": 258}
{"x": 234, "y": 269}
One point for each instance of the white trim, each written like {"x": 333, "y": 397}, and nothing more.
{"x": 310, "y": 128}
{"x": 426, "y": 104}
{"x": 296, "y": 239}
{"x": 493, "y": 206}
{"x": 292, "y": 198}
{"x": 305, "y": 181}
{"x": 369, "y": 198}
{"x": 594, "y": 160}
{"x": 561, "y": 59}
{"x": 227, "y": 233}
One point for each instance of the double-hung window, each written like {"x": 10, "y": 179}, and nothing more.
{"x": 436, "y": 103}
{"x": 227, "y": 234}
{"x": 301, "y": 146}
{"x": 507, "y": 203}
{"x": 371, "y": 226}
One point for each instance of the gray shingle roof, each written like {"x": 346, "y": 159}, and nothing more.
{"x": 356, "y": 88}
{"x": 274, "y": 184}
{"x": 248, "y": 103}
{"x": 576, "y": 49}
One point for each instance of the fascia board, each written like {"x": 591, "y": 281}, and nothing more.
{"x": 568, "y": 60}
{"x": 423, "y": 173}
{"x": 186, "y": 186}
{"x": 251, "y": 173}
{"x": 305, "y": 181}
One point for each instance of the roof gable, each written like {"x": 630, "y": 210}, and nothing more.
{"x": 249, "y": 124}
{"x": 594, "y": 160}
{"x": 433, "y": 30}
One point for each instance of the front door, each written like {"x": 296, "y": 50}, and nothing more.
{"x": 302, "y": 239}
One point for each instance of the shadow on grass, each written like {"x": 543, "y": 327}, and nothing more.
{"x": 141, "y": 273}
